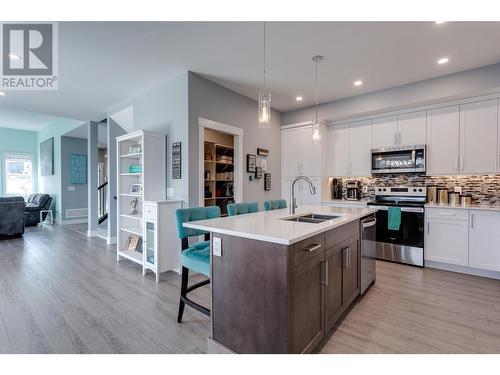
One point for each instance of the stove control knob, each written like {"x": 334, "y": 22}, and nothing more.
{"x": 385, "y": 189}
{"x": 414, "y": 190}
{"x": 420, "y": 190}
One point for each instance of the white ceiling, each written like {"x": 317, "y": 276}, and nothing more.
{"x": 15, "y": 119}
{"x": 101, "y": 64}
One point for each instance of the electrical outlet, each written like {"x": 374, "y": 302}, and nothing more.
{"x": 217, "y": 246}
{"x": 170, "y": 192}
{"x": 71, "y": 188}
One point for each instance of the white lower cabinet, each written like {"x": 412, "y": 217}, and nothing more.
{"x": 469, "y": 238}
{"x": 161, "y": 249}
{"x": 484, "y": 240}
{"x": 446, "y": 241}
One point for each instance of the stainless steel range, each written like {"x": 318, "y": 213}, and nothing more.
{"x": 403, "y": 243}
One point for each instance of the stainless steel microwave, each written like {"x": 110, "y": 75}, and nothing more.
{"x": 400, "y": 159}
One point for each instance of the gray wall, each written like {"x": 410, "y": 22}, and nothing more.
{"x": 164, "y": 109}
{"x": 77, "y": 198}
{"x": 214, "y": 102}
{"x": 454, "y": 86}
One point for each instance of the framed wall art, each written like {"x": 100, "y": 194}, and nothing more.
{"x": 47, "y": 157}
{"x": 262, "y": 151}
{"x": 78, "y": 169}
{"x": 258, "y": 173}
{"x": 267, "y": 181}
{"x": 251, "y": 163}
{"x": 176, "y": 161}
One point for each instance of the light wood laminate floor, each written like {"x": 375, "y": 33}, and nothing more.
{"x": 61, "y": 292}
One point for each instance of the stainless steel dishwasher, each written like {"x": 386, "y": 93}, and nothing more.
{"x": 368, "y": 251}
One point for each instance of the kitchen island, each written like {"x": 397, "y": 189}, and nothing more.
{"x": 280, "y": 282}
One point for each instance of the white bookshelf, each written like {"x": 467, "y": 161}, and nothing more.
{"x": 152, "y": 178}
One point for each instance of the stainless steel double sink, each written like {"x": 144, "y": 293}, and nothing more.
{"x": 312, "y": 218}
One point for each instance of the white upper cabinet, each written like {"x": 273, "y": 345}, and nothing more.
{"x": 443, "y": 130}
{"x": 337, "y": 150}
{"x": 291, "y": 152}
{"x": 300, "y": 156}
{"x": 311, "y": 153}
{"x": 360, "y": 140}
{"x": 484, "y": 241}
{"x": 411, "y": 128}
{"x": 478, "y": 137}
{"x": 385, "y": 132}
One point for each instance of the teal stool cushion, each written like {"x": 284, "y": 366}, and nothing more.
{"x": 185, "y": 215}
{"x": 197, "y": 258}
{"x": 234, "y": 209}
{"x": 274, "y": 204}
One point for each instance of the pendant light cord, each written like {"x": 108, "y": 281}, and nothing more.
{"x": 316, "y": 90}
{"x": 265, "y": 87}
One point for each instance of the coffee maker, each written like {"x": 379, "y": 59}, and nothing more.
{"x": 352, "y": 190}
{"x": 336, "y": 188}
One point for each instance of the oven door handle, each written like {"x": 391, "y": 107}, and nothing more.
{"x": 403, "y": 209}
{"x": 412, "y": 209}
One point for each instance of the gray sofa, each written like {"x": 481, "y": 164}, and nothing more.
{"x": 36, "y": 203}
{"x": 11, "y": 216}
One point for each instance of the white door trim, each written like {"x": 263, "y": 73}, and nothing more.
{"x": 237, "y": 133}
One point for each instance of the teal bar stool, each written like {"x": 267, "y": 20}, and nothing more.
{"x": 234, "y": 209}
{"x": 195, "y": 257}
{"x": 274, "y": 205}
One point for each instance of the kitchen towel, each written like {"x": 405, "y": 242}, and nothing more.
{"x": 394, "y": 218}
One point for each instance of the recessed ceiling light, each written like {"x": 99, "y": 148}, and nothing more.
{"x": 443, "y": 60}
{"x": 298, "y": 98}
{"x": 14, "y": 57}
{"x": 440, "y": 22}
{"x": 2, "y": 93}
{"x": 358, "y": 83}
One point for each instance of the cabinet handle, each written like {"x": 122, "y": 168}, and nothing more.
{"x": 347, "y": 257}
{"x": 312, "y": 247}
{"x": 325, "y": 281}
{"x": 428, "y": 228}
{"x": 472, "y": 221}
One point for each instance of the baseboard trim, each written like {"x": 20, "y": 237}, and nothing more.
{"x": 92, "y": 233}
{"x": 76, "y": 221}
{"x": 111, "y": 240}
{"x": 463, "y": 269}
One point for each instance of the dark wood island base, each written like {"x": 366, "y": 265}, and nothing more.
{"x": 272, "y": 298}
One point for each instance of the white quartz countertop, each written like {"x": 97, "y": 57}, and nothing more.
{"x": 477, "y": 206}
{"x": 268, "y": 226}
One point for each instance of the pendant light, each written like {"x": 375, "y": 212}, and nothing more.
{"x": 264, "y": 96}
{"x": 316, "y": 134}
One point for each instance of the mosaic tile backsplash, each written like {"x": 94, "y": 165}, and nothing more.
{"x": 484, "y": 189}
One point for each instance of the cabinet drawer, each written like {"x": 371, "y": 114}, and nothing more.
{"x": 308, "y": 248}
{"x": 447, "y": 213}
{"x": 342, "y": 233}
{"x": 150, "y": 212}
